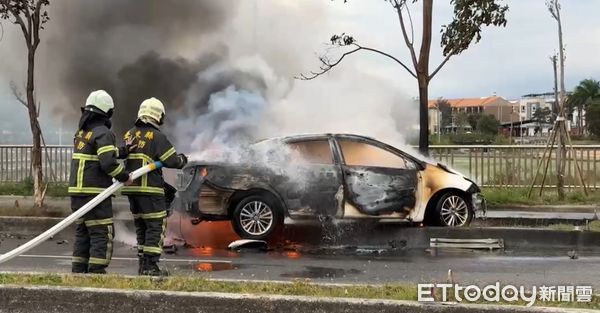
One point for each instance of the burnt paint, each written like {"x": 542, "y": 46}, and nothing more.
{"x": 319, "y": 197}
{"x": 309, "y": 191}
{"x": 377, "y": 191}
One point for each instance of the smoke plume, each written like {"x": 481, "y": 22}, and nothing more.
{"x": 223, "y": 68}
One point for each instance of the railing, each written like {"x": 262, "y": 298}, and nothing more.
{"x": 516, "y": 166}
{"x": 492, "y": 166}
{"x": 15, "y": 163}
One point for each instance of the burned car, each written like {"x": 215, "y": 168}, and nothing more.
{"x": 335, "y": 176}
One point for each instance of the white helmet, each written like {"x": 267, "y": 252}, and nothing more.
{"x": 101, "y": 100}
{"x": 152, "y": 108}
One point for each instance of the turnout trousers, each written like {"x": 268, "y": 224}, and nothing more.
{"x": 150, "y": 219}
{"x": 94, "y": 234}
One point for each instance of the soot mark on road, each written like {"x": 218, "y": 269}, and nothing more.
{"x": 322, "y": 272}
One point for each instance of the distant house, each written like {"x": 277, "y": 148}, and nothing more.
{"x": 502, "y": 109}
{"x": 526, "y": 128}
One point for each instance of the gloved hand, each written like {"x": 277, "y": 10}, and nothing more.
{"x": 129, "y": 143}
{"x": 183, "y": 158}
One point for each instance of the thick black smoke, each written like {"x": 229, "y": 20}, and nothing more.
{"x": 129, "y": 48}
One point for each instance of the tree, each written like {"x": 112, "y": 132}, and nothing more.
{"x": 542, "y": 115}
{"x": 473, "y": 120}
{"x": 488, "y": 124}
{"x": 585, "y": 93}
{"x": 445, "y": 110}
{"x": 465, "y": 28}
{"x": 30, "y": 16}
{"x": 592, "y": 118}
{"x": 461, "y": 121}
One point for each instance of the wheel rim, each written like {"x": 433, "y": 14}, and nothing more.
{"x": 256, "y": 218}
{"x": 455, "y": 211}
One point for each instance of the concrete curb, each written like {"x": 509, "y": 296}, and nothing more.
{"x": 16, "y": 202}
{"x": 387, "y": 235}
{"x": 61, "y": 299}
{"x": 577, "y": 208}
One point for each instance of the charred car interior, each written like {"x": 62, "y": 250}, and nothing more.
{"x": 330, "y": 175}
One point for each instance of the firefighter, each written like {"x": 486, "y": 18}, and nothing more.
{"x": 147, "y": 193}
{"x": 93, "y": 166}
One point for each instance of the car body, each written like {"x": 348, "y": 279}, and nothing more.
{"x": 339, "y": 176}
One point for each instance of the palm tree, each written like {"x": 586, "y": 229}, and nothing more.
{"x": 587, "y": 91}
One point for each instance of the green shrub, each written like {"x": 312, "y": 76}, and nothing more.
{"x": 25, "y": 188}
{"x": 472, "y": 139}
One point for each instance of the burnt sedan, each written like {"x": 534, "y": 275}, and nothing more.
{"x": 334, "y": 176}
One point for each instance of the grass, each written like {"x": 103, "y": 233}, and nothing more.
{"x": 507, "y": 196}
{"x": 199, "y": 284}
{"x": 25, "y": 188}
{"x": 34, "y": 211}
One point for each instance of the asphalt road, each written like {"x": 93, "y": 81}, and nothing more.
{"x": 206, "y": 255}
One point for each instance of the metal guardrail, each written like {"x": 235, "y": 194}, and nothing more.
{"x": 15, "y": 162}
{"x": 488, "y": 165}
{"x": 515, "y": 166}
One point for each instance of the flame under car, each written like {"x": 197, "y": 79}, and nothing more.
{"x": 335, "y": 176}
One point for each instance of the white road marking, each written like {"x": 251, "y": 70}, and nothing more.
{"x": 68, "y": 257}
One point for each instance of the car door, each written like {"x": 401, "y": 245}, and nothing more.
{"x": 377, "y": 180}
{"x": 315, "y": 187}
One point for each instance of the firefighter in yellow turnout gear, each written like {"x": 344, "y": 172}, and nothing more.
{"x": 146, "y": 194}
{"x": 93, "y": 166}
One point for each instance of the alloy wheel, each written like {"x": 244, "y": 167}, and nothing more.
{"x": 455, "y": 211}
{"x": 256, "y": 218}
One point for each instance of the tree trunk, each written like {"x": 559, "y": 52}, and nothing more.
{"x": 422, "y": 70}
{"x": 36, "y": 132}
{"x": 423, "y": 118}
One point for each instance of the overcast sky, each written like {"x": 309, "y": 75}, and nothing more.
{"x": 510, "y": 61}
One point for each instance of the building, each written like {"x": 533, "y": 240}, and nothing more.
{"x": 503, "y": 110}
{"x": 530, "y": 103}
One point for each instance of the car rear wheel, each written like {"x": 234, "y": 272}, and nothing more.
{"x": 454, "y": 210}
{"x": 256, "y": 217}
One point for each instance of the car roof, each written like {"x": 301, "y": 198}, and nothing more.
{"x": 300, "y": 137}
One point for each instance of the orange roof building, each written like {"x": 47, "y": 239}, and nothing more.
{"x": 502, "y": 109}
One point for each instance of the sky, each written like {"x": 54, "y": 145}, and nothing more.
{"x": 509, "y": 62}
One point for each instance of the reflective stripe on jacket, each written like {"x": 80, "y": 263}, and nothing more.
{"x": 151, "y": 145}
{"x": 94, "y": 162}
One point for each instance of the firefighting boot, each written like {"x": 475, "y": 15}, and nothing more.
{"x": 79, "y": 268}
{"x": 151, "y": 268}
{"x": 97, "y": 269}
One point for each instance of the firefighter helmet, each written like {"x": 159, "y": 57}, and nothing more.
{"x": 100, "y": 100}
{"x": 152, "y": 108}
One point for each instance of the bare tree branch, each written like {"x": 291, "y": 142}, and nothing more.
{"x": 20, "y": 22}
{"x": 411, "y": 48}
{"x": 441, "y": 65}
{"x": 18, "y": 95}
{"x": 326, "y": 65}
{"x": 412, "y": 29}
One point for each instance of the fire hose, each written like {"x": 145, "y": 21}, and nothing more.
{"x": 77, "y": 214}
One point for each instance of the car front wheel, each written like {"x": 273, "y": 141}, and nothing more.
{"x": 256, "y": 217}
{"x": 454, "y": 211}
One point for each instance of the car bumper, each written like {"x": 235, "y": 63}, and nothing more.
{"x": 479, "y": 205}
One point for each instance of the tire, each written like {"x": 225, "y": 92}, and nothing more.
{"x": 453, "y": 210}
{"x": 256, "y": 217}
